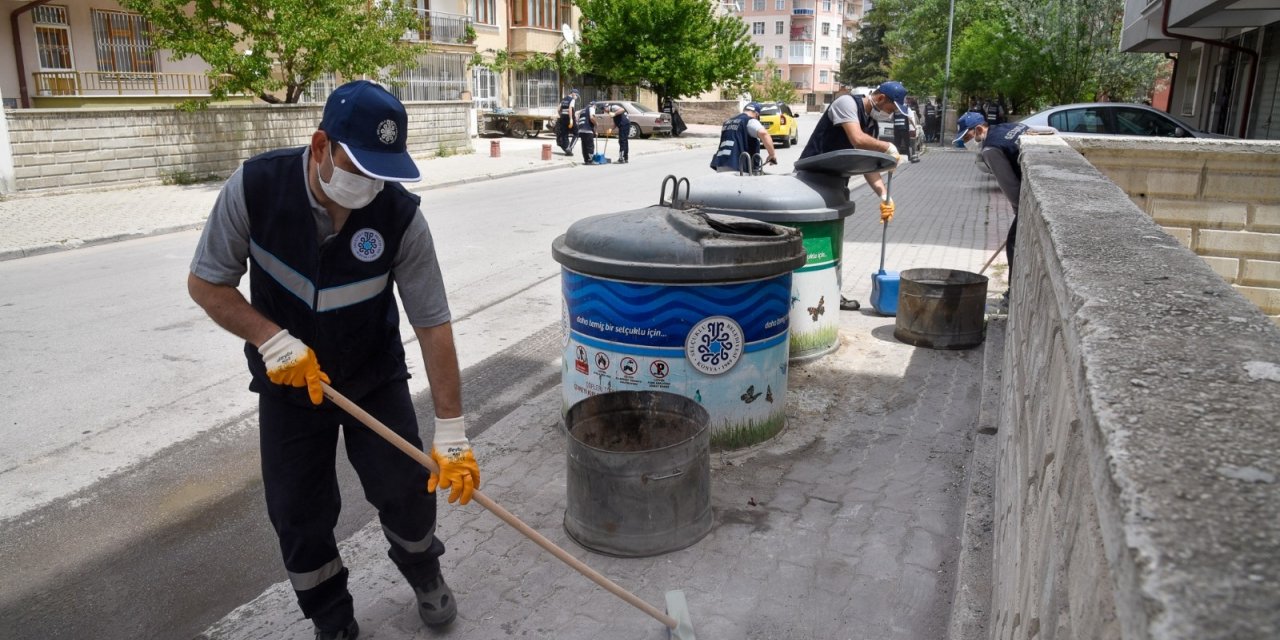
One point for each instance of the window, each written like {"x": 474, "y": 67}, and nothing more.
{"x": 535, "y": 89}
{"x": 778, "y": 27}
{"x": 1078, "y": 121}
{"x": 757, "y": 75}
{"x": 757, "y": 28}
{"x": 824, "y": 76}
{"x": 1138, "y": 122}
{"x": 777, "y": 74}
{"x": 759, "y": 52}
{"x": 123, "y": 42}
{"x": 777, "y": 51}
{"x": 824, "y": 53}
{"x": 53, "y": 37}
{"x": 483, "y": 11}
{"x": 826, "y": 28}
{"x": 437, "y": 76}
{"x": 826, "y": 5}
{"x": 542, "y": 14}
{"x": 485, "y": 82}
{"x": 758, "y": 5}
{"x": 780, "y": 5}
{"x": 801, "y": 52}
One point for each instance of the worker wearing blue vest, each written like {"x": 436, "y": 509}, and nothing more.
{"x": 566, "y": 134}
{"x": 326, "y": 230}
{"x": 585, "y": 125}
{"x": 622, "y": 125}
{"x": 740, "y": 134}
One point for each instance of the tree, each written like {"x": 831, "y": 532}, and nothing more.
{"x": 675, "y": 47}
{"x": 260, "y": 47}
{"x": 775, "y": 88}
{"x": 865, "y": 61}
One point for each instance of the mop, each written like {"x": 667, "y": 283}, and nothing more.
{"x": 676, "y": 618}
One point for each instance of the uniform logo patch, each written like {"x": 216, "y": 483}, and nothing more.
{"x": 367, "y": 245}
{"x": 387, "y": 131}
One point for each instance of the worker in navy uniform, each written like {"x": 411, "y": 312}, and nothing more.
{"x": 850, "y": 122}
{"x": 566, "y": 133}
{"x": 1001, "y": 148}
{"x": 965, "y": 124}
{"x": 622, "y": 126}
{"x": 585, "y": 125}
{"x": 740, "y": 134}
{"x": 324, "y": 231}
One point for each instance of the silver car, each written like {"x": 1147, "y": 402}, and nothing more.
{"x": 644, "y": 121}
{"x": 1114, "y": 118}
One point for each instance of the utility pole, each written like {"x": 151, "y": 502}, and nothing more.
{"x": 946, "y": 78}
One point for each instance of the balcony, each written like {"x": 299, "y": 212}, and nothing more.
{"x": 114, "y": 83}
{"x": 441, "y": 28}
{"x": 802, "y": 85}
{"x": 804, "y": 9}
{"x": 801, "y": 34}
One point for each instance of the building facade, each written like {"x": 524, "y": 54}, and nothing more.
{"x": 1226, "y": 60}
{"x": 804, "y": 41}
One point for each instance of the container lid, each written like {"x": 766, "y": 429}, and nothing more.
{"x": 817, "y": 191}
{"x": 662, "y": 244}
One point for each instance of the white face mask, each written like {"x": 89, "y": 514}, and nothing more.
{"x": 347, "y": 189}
{"x": 973, "y": 144}
{"x": 880, "y": 116}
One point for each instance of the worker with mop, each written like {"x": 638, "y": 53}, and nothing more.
{"x": 325, "y": 230}
{"x": 850, "y": 122}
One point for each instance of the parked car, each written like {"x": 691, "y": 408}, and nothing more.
{"x": 644, "y": 121}
{"x": 781, "y": 122}
{"x": 1114, "y": 118}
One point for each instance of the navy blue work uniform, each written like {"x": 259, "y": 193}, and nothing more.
{"x": 734, "y": 140}
{"x": 586, "y": 133}
{"x": 338, "y": 298}
{"x": 622, "y": 125}
{"x": 566, "y": 135}
{"x": 829, "y": 136}
{"x": 1004, "y": 137}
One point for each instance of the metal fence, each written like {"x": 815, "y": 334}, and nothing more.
{"x": 83, "y": 83}
{"x": 438, "y": 76}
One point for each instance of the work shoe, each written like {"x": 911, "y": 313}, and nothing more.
{"x": 436, "y": 604}
{"x": 847, "y": 304}
{"x": 350, "y": 633}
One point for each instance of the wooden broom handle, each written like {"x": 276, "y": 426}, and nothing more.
{"x": 506, "y": 516}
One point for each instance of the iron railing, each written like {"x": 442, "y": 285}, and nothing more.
{"x": 88, "y": 83}
{"x": 438, "y": 26}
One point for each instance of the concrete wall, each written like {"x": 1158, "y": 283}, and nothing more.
{"x": 1220, "y": 198}
{"x": 1138, "y": 448}
{"x": 79, "y": 148}
{"x": 709, "y": 112}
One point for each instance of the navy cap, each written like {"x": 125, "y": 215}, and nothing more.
{"x": 373, "y": 128}
{"x": 752, "y": 106}
{"x": 896, "y": 92}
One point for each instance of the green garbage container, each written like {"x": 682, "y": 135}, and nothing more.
{"x": 678, "y": 300}
{"x": 815, "y": 201}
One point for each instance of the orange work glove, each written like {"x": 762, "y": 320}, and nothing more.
{"x": 459, "y": 471}
{"x": 292, "y": 363}
{"x": 886, "y": 211}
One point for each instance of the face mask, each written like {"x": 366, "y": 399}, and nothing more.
{"x": 880, "y": 116}
{"x": 973, "y": 144}
{"x": 347, "y": 189}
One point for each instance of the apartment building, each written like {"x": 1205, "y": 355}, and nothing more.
{"x": 94, "y": 53}
{"x": 804, "y": 39}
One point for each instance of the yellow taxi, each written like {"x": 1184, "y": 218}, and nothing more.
{"x": 781, "y": 122}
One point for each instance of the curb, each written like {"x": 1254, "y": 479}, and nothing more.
{"x": 971, "y": 595}
{"x": 80, "y": 243}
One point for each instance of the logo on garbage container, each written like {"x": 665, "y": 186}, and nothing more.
{"x": 714, "y": 345}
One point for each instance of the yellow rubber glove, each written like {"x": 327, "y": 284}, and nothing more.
{"x": 459, "y": 471}
{"x": 897, "y": 157}
{"x": 292, "y": 363}
{"x": 886, "y": 211}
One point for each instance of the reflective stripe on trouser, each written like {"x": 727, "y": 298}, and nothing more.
{"x": 299, "y": 447}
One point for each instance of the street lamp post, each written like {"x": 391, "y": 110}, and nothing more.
{"x": 946, "y": 78}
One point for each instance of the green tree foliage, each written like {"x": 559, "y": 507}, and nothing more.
{"x": 261, "y": 47}
{"x": 675, "y": 47}
{"x": 865, "y": 61}
{"x": 1031, "y": 52}
{"x": 775, "y": 88}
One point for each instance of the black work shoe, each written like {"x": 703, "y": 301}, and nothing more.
{"x": 436, "y": 604}
{"x": 847, "y": 304}
{"x": 350, "y": 633}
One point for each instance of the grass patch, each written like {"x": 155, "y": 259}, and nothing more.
{"x": 814, "y": 340}
{"x": 172, "y": 178}
{"x": 748, "y": 433}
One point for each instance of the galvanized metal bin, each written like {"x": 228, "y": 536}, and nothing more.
{"x": 941, "y": 308}
{"x": 639, "y": 473}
